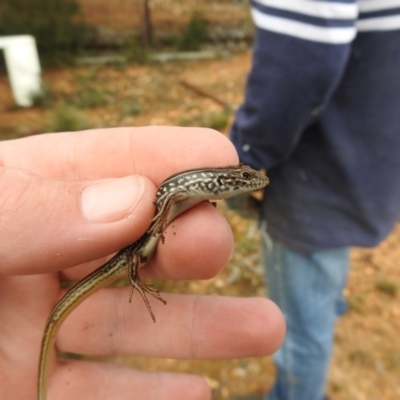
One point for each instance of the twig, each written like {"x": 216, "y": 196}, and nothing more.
{"x": 204, "y": 93}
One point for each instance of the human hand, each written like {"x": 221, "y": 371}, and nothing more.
{"x": 67, "y": 201}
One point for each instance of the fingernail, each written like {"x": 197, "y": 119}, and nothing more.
{"x": 111, "y": 200}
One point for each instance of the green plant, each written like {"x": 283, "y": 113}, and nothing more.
{"x": 131, "y": 108}
{"x": 356, "y": 303}
{"x": 195, "y": 33}
{"x": 133, "y": 51}
{"x": 66, "y": 119}
{"x": 57, "y": 26}
{"x": 217, "y": 121}
{"x": 387, "y": 287}
{"x": 44, "y": 97}
{"x": 90, "y": 97}
{"x": 214, "y": 120}
{"x": 90, "y": 93}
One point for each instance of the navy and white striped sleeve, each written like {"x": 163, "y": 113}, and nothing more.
{"x": 331, "y": 22}
{"x": 300, "y": 52}
{"x": 378, "y": 15}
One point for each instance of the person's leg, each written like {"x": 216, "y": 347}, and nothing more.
{"x": 308, "y": 288}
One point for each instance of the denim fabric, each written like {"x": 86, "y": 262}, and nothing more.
{"x": 308, "y": 288}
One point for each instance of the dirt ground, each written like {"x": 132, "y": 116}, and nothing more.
{"x": 366, "y": 362}
{"x": 125, "y": 15}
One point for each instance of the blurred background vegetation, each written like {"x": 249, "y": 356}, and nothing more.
{"x": 58, "y": 26}
{"x": 93, "y": 37}
{"x": 66, "y": 28}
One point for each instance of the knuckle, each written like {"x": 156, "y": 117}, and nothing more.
{"x": 21, "y": 195}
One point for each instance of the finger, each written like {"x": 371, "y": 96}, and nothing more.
{"x": 197, "y": 245}
{"x": 24, "y": 304}
{"x": 195, "y": 327}
{"x": 156, "y": 152}
{"x": 49, "y": 225}
{"x": 84, "y": 380}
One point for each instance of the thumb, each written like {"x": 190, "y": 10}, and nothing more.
{"x": 48, "y": 225}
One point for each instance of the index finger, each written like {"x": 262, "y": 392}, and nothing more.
{"x": 155, "y": 151}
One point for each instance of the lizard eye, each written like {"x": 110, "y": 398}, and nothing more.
{"x": 246, "y": 175}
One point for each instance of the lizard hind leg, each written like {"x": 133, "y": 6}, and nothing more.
{"x": 142, "y": 287}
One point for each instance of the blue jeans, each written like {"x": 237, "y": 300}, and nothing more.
{"x": 308, "y": 288}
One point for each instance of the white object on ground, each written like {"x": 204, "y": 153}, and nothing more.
{"x": 23, "y": 67}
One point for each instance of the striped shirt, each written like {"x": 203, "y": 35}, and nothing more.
{"x": 326, "y": 21}
{"x": 322, "y": 115}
